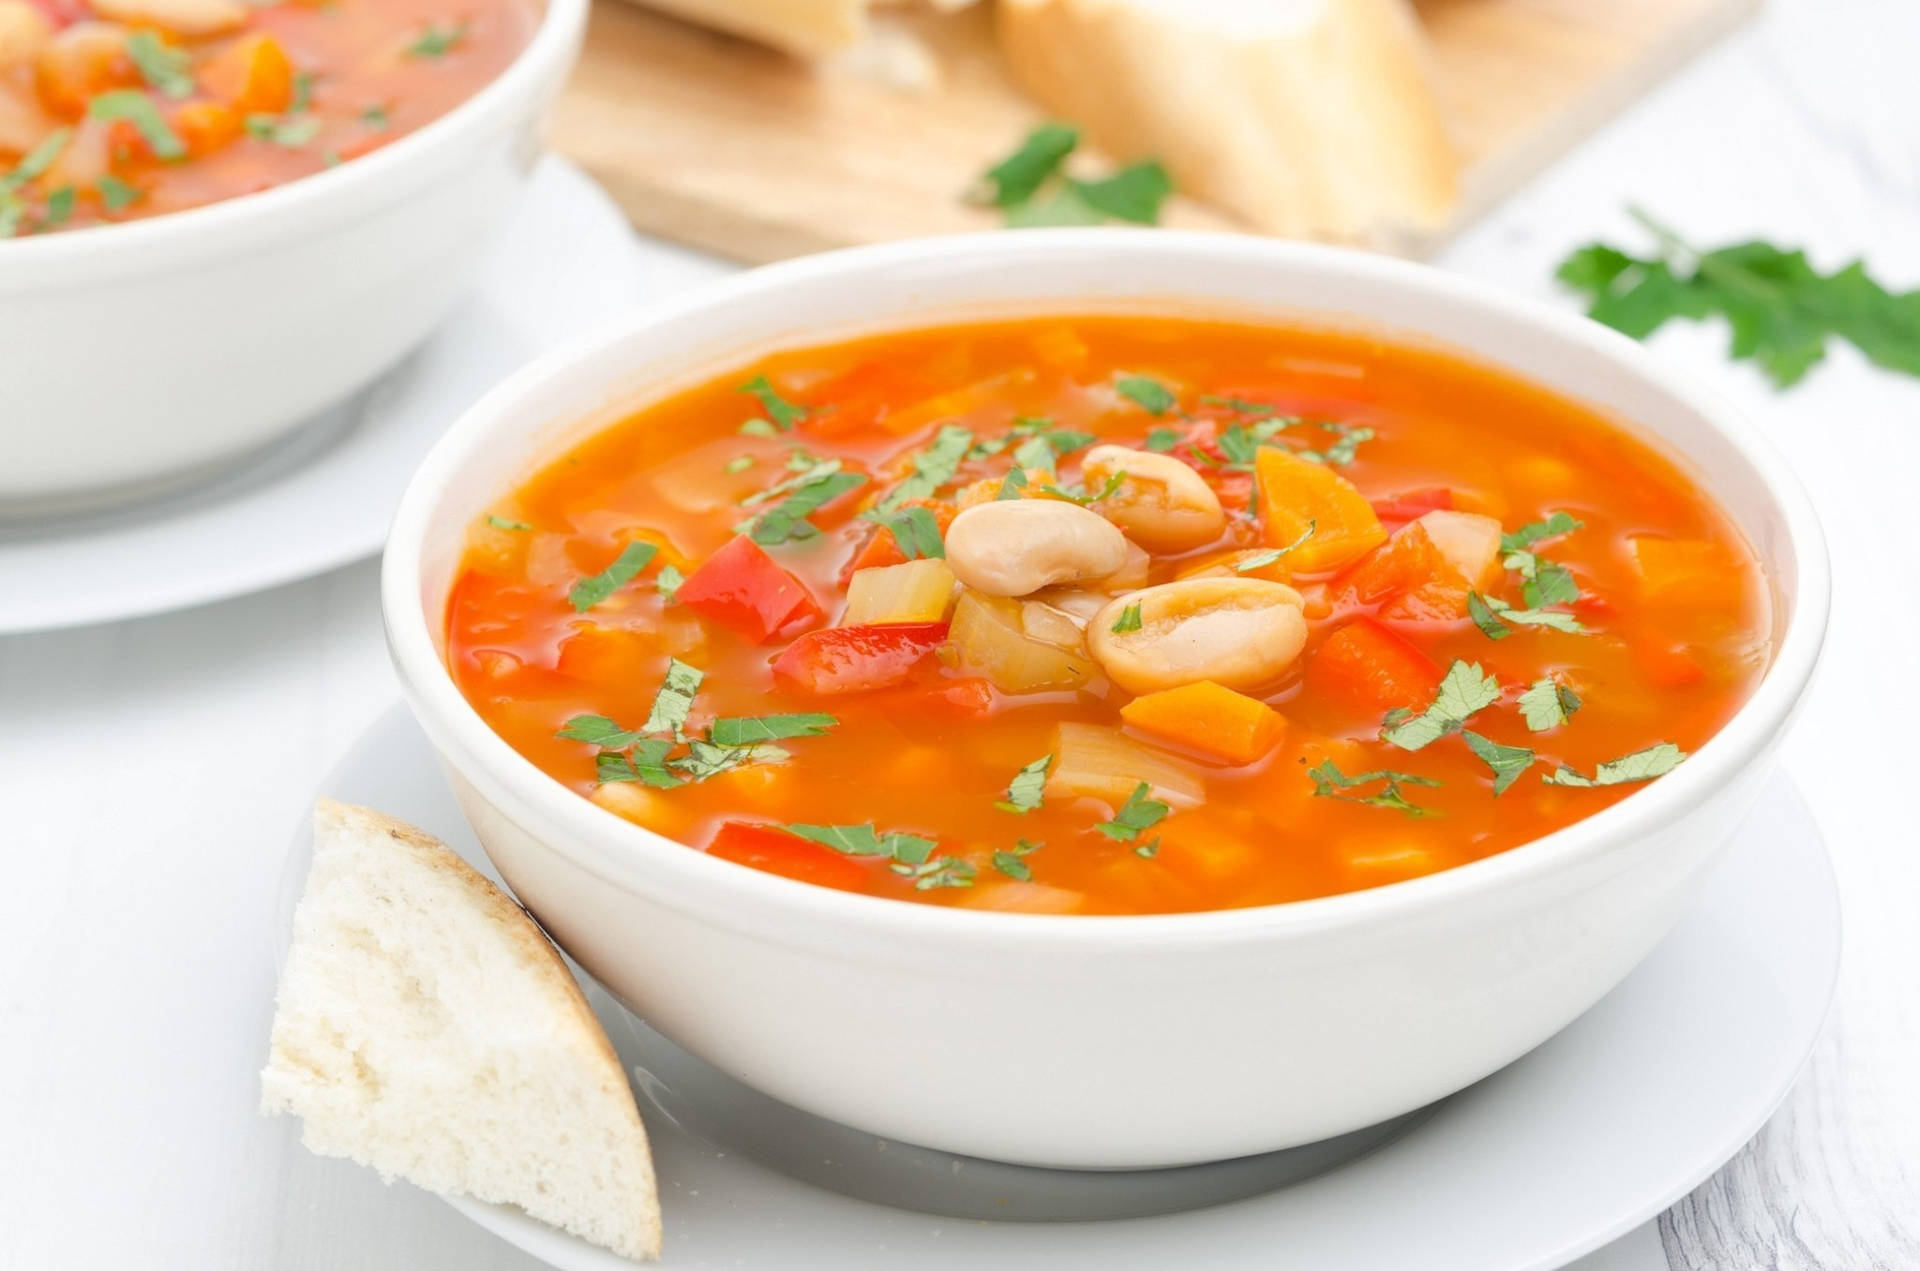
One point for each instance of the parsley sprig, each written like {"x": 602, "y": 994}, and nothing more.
{"x": 1032, "y": 189}
{"x": 1330, "y": 783}
{"x": 1781, "y": 309}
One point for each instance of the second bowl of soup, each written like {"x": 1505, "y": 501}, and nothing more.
{"x": 1201, "y": 696}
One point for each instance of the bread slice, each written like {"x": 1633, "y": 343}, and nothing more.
{"x": 805, "y": 28}
{"x": 425, "y": 1026}
{"x": 1309, "y": 118}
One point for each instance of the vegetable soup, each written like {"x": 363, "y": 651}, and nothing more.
{"x": 1108, "y": 614}
{"x": 115, "y": 109}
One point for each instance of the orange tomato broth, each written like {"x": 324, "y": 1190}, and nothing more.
{"x": 287, "y": 90}
{"x": 1677, "y": 638}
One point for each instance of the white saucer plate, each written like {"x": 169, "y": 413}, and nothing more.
{"x": 1572, "y": 1146}
{"x": 323, "y": 497}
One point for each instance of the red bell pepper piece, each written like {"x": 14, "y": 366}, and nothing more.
{"x": 1364, "y": 661}
{"x": 1414, "y": 504}
{"x": 777, "y": 852}
{"x": 741, "y": 587}
{"x": 855, "y": 659}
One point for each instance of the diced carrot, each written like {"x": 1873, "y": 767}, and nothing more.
{"x": 253, "y": 75}
{"x": 601, "y": 655}
{"x": 206, "y": 126}
{"x": 1365, "y": 662}
{"x": 1296, "y": 492}
{"x": 1406, "y": 562}
{"x": 1686, "y": 571}
{"x": 1209, "y": 718}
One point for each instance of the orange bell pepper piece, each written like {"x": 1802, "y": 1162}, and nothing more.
{"x": 254, "y": 76}
{"x": 206, "y": 126}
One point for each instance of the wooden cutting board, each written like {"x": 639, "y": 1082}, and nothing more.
{"x": 722, "y": 145}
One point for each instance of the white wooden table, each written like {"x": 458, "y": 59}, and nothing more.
{"x": 151, "y": 772}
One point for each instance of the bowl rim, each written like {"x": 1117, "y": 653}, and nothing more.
{"x": 154, "y": 241}
{"x": 609, "y": 846}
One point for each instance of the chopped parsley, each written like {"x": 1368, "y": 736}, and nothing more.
{"x": 438, "y": 39}
{"x": 1507, "y": 762}
{"x": 598, "y": 730}
{"x": 748, "y": 730}
{"x": 1263, "y": 559}
{"x": 1539, "y": 531}
{"x": 645, "y": 763}
{"x": 674, "y": 701}
{"x": 1141, "y": 812}
{"x": 915, "y": 531}
{"x": 503, "y": 523}
{"x": 1465, "y": 690}
{"x": 1012, "y": 861}
{"x": 1010, "y": 487}
{"x": 117, "y": 195}
{"x": 1547, "y": 704}
{"x": 290, "y": 131}
{"x": 1149, "y": 394}
{"x": 1129, "y": 619}
{"x": 1025, "y": 791}
{"x": 757, "y": 427}
{"x": 167, "y": 70}
{"x": 1484, "y": 618}
{"x": 590, "y": 591}
{"x": 1161, "y": 440}
{"x": 1017, "y": 178}
{"x": 59, "y": 207}
{"x": 1494, "y": 616}
{"x": 704, "y": 759}
{"x": 667, "y": 582}
{"x": 1543, "y": 583}
{"x": 377, "y": 117}
{"x": 738, "y": 464}
{"x": 1347, "y": 439}
{"x": 783, "y": 413}
{"x": 1031, "y": 188}
{"x": 36, "y": 161}
{"x": 138, "y": 109}
{"x": 865, "y": 840}
{"x": 1134, "y": 193}
{"x": 1329, "y": 781}
{"x": 817, "y": 483}
{"x": 1641, "y": 765}
{"x": 932, "y": 467}
{"x": 1080, "y": 494}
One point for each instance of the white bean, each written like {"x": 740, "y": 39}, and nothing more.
{"x": 1242, "y": 633}
{"x": 1161, "y": 503}
{"x": 1014, "y": 547}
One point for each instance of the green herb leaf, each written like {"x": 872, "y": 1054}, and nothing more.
{"x": 1034, "y": 452}
{"x": 667, "y": 582}
{"x": 1507, "y": 762}
{"x": 915, "y": 531}
{"x": 117, "y": 195}
{"x": 1465, "y": 690}
{"x": 1346, "y": 443}
{"x": 1499, "y": 613}
{"x": 1014, "y": 482}
{"x": 1539, "y": 531}
{"x": 35, "y": 162}
{"x": 1134, "y": 193}
{"x": 377, "y": 117}
{"x": 1161, "y": 440}
{"x": 1547, "y": 704}
{"x": 166, "y": 69}
{"x": 1016, "y": 178}
{"x": 941, "y": 871}
{"x": 1129, "y": 619}
{"x": 503, "y": 523}
{"x": 1781, "y": 310}
{"x": 289, "y": 131}
{"x": 675, "y": 699}
{"x": 1265, "y": 559}
{"x": 1026, "y": 790}
{"x": 806, "y": 494}
{"x": 739, "y": 463}
{"x": 746, "y": 731}
{"x": 865, "y": 840}
{"x": 59, "y": 207}
{"x": 783, "y": 413}
{"x": 590, "y": 591}
{"x": 1080, "y": 495}
{"x": 704, "y": 759}
{"x": 1140, "y": 812}
{"x": 1329, "y": 781}
{"x": 645, "y": 763}
{"x": 1010, "y": 864}
{"x": 1484, "y": 618}
{"x": 438, "y": 39}
{"x": 1059, "y": 206}
{"x": 1641, "y": 765}
{"x": 1149, "y": 394}
{"x": 598, "y": 730}
{"x": 138, "y": 109}
{"x": 932, "y": 467}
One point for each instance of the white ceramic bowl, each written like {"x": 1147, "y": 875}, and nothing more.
{"x": 139, "y": 356}
{"x": 1099, "y": 1041}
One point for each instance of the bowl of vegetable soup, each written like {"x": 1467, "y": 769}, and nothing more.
{"x": 1104, "y": 698}
{"x": 218, "y": 218}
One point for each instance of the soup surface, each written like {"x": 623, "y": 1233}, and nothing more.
{"x": 116, "y": 109}
{"x": 1108, "y": 615}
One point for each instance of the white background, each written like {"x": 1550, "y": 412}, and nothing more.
{"x": 151, "y": 772}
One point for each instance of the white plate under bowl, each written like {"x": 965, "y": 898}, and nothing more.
{"x": 1575, "y": 1144}
{"x": 323, "y": 497}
